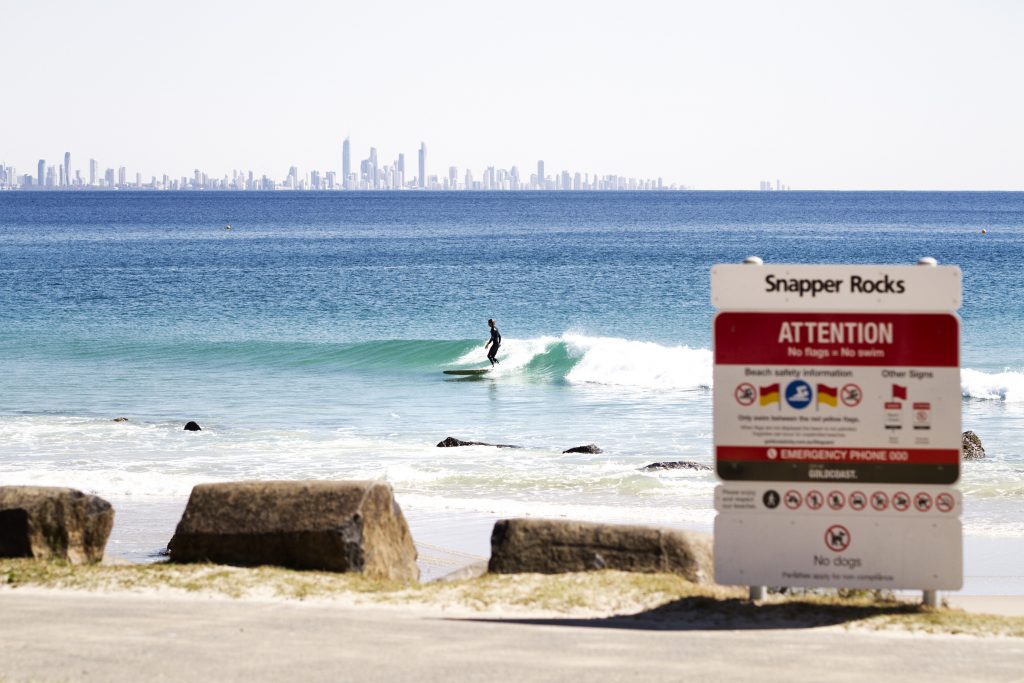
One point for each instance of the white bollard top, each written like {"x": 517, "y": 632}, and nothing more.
{"x": 754, "y": 260}
{"x": 927, "y": 261}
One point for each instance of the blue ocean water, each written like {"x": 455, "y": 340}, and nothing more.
{"x": 309, "y": 338}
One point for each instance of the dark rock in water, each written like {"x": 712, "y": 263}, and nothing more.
{"x": 548, "y": 546}
{"x": 342, "y": 526}
{"x": 452, "y": 442}
{"x": 193, "y": 427}
{"x": 45, "y": 522}
{"x": 674, "y": 465}
{"x": 120, "y": 419}
{"x": 589, "y": 448}
{"x": 972, "y": 448}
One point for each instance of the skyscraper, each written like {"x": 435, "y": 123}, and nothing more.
{"x": 422, "y": 180}
{"x": 41, "y": 173}
{"x": 346, "y": 164}
{"x": 540, "y": 174}
{"x": 67, "y": 168}
{"x": 93, "y": 170}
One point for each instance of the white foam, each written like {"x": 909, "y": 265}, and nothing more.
{"x": 622, "y": 362}
{"x": 609, "y": 361}
{"x": 1001, "y": 386}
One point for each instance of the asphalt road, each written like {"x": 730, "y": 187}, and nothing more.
{"x": 65, "y": 636}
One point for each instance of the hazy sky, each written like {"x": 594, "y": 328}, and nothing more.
{"x": 844, "y": 95}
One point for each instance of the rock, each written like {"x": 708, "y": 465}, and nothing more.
{"x": 120, "y": 419}
{"x": 548, "y": 546}
{"x": 452, "y": 442}
{"x": 589, "y": 448}
{"x": 192, "y": 427}
{"x": 45, "y": 522}
{"x": 343, "y": 526}
{"x": 972, "y": 448}
{"x": 675, "y": 465}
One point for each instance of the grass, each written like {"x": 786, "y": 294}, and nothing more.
{"x": 605, "y": 598}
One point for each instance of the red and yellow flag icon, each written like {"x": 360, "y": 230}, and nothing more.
{"x": 827, "y": 395}
{"x": 769, "y": 394}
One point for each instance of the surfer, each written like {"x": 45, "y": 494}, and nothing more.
{"x": 494, "y": 342}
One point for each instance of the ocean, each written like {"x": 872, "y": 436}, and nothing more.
{"x": 309, "y": 339}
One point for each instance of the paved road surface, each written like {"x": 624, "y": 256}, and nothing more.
{"x": 63, "y": 636}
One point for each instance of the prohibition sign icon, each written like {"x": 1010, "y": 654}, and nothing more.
{"x": 879, "y": 500}
{"x": 923, "y": 502}
{"x": 836, "y": 500}
{"x": 851, "y": 395}
{"x": 792, "y": 499}
{"x": 837, "y": 538}
{"x": 900, "y": 501}
{"x": 815, "y": 500}
{"x": 944, "y": 502}
{"x": 858, "y": 501}
{"x": 745, "y": 394}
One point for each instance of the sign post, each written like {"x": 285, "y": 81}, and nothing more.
{"x": 837, "y": 426}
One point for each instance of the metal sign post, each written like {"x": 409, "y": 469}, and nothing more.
{"x": 837, "y": 426}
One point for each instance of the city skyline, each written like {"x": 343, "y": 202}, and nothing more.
{"x": 838, "y": 95}
{"x": 372, "y": 175}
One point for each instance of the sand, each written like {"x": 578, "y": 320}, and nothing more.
{"x": 50, "y": 635}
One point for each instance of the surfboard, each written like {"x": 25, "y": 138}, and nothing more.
{"x": 481, "y": 371}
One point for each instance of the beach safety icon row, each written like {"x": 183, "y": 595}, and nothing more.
{"x": 884, "y": 499}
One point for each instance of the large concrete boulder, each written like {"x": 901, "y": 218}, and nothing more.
{"x": 972, "y": 448}
{"x": 546, "y": 546}
{"x": 344, "y": 526}
{"x": 46, "y": 522}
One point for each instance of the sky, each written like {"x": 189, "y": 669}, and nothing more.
{"x": 860, "y": 95}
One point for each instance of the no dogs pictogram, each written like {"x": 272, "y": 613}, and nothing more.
{"x": 944, "y": 502}
{"x": 837, "y": 538}
{"x": 793, "y": 499}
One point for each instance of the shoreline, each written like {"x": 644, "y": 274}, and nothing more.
{"x": 450, "y": 540}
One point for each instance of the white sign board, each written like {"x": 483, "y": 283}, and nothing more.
{"x": 837, "y": 426}
{"x": 787, "y": 287}
{"x": 878, "y": 536}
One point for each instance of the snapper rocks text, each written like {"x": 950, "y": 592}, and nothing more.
{"x": 815, "y": 286}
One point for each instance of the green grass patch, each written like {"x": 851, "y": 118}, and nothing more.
{"x": 605, "y": 598}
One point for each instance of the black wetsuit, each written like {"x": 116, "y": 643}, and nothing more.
{"x": 495, "y": 343}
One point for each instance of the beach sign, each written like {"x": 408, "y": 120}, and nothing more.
{"x": 837, "y": 425}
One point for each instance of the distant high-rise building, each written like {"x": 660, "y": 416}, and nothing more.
{"x": 93, "y": 170}
{"x": 374, "y": 169}
{"x": 540, "y": 174}
{"x": 122, "y": 176}
{"x": 422, "y": 179}
{"x": 41, "y": 173}
{"x": 453, "y": 178}
{"x": 346, "y": 164}
{"x": 67, "y": 168}
{"x": 401, "y": 162}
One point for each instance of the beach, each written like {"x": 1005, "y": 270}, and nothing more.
{"x": 166, "y": 635}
